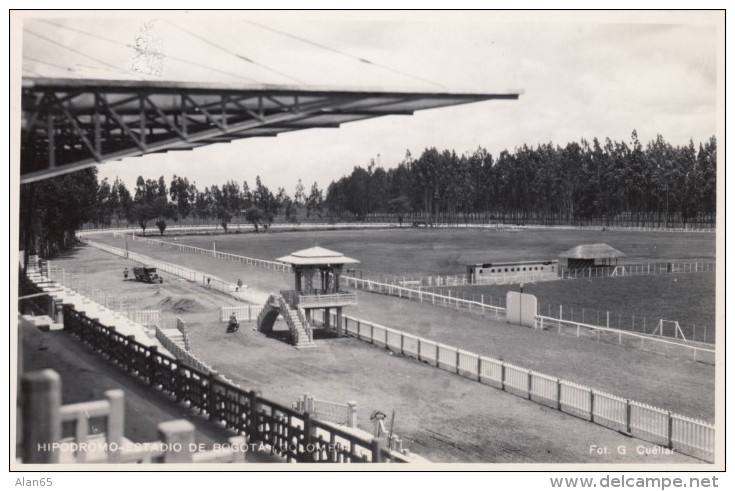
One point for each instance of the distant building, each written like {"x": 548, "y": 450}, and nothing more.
{"x": 589, "y": 256}
{"x": 517, "y": 271}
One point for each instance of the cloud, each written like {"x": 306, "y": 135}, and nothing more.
{"x": 580, "y": 79}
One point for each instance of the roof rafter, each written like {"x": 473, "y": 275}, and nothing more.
{"x": 71, "y": 124}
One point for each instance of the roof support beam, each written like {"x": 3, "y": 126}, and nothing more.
{"x": 71, "y": 124}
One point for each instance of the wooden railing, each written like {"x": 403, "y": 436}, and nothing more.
{"x": 306, "y": 300}
{"x": 44, "y": 420}
{"x": 295, "y": 437}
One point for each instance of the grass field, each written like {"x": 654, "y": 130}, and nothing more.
{"x": 448, "y": 251}
{"x": 690, "y": 300}
{"x": 687, "y": 297}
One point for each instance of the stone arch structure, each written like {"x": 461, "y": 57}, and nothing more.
{"x": 268, "y": 320}
{"x": 276, "y": 305}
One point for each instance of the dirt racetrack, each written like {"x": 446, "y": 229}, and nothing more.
{"x": 439, "y": 415}
{"x": 680, "y": 386}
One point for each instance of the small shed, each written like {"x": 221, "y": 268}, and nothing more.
{"x": 588, "y": 256}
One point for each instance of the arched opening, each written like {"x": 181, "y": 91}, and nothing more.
{"x": 274, "y": 327}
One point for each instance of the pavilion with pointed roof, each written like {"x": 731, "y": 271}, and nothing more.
{"x": 587, "y": 256}
{"x": 317, "y": 274}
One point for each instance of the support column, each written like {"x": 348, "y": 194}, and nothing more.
{"x": 41, "y": 416}
{"x": 309, "y": 281}
{"x": 338, "y": 322}
{"x": 326, "y": 317}
{"x": 308, "y": 315}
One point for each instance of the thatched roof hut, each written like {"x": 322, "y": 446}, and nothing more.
{"x": 590, "y": 255}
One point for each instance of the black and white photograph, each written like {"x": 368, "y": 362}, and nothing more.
{"x": 355, "y": 240}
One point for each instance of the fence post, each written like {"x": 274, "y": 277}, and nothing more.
{"x": 254, "y": 406}
{"x": 177, "y": 436}
{"x": 308, "y": 433}
{"x": 41, "y": 416}
{"x": 502, "y": 375}
{"x": 436, "y": 357}
{"x": 456, "y": 361}
{"x": 627, "y": 417}
{"x": 529, "y": 384}
{"x": 592, "y": 405}
{"x": 401, "y": 342}
{"x": 558, "y": 394}
{"x": 353, "y": 414}
{"x": 115, "y": 423}
{"x": 129, "y": 358}
{"x": 152, "y": 363}
{"x": 376, "y": 451}
{"x": 670, "y": 430}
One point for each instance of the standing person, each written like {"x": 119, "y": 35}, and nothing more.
{"x": 239, "y": 284}
{"x": 208, "y": 278}
{"x": 125, "y": 273}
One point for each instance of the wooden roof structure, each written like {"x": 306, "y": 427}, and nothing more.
{"x": 69, "y": 124}
{"x": 317, "y": 256}
{"x": 592, "y": 251}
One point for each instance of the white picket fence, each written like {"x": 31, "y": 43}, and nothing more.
{"x": 448, "y": 280}
{"x": 147, "y": 317}
{"x": 699, "y": 352}
{"x": 344, "y": 414}
{"x": 242, "y": 312}
{"x": 383, "y": 224}
{"x": 204, "y": 279}
{"x": 683, "y": 434}
{"x": 644, "y": 269}
{"x": 249, "y": 261}
{"x": 426, "y": 297}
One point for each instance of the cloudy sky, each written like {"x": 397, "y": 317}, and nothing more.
{"x": 590, "y": 75}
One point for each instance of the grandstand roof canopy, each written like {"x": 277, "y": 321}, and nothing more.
{"x": 69, "y": 123}
{"x": 592, "y": 251}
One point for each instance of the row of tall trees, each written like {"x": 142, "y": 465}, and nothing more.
{"x": 608, "y": 181}
{"x": 52, "y": 210}
{"x": 155, "y": 202}
{"x": 582, "y": 181}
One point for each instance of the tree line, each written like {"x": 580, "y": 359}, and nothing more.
{"x": 655, "y": 184}
{"x": 155, "y": 202}
{"x": 605, "y": 182}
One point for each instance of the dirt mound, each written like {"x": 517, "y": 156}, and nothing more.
{"x": 180, "y": 305}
